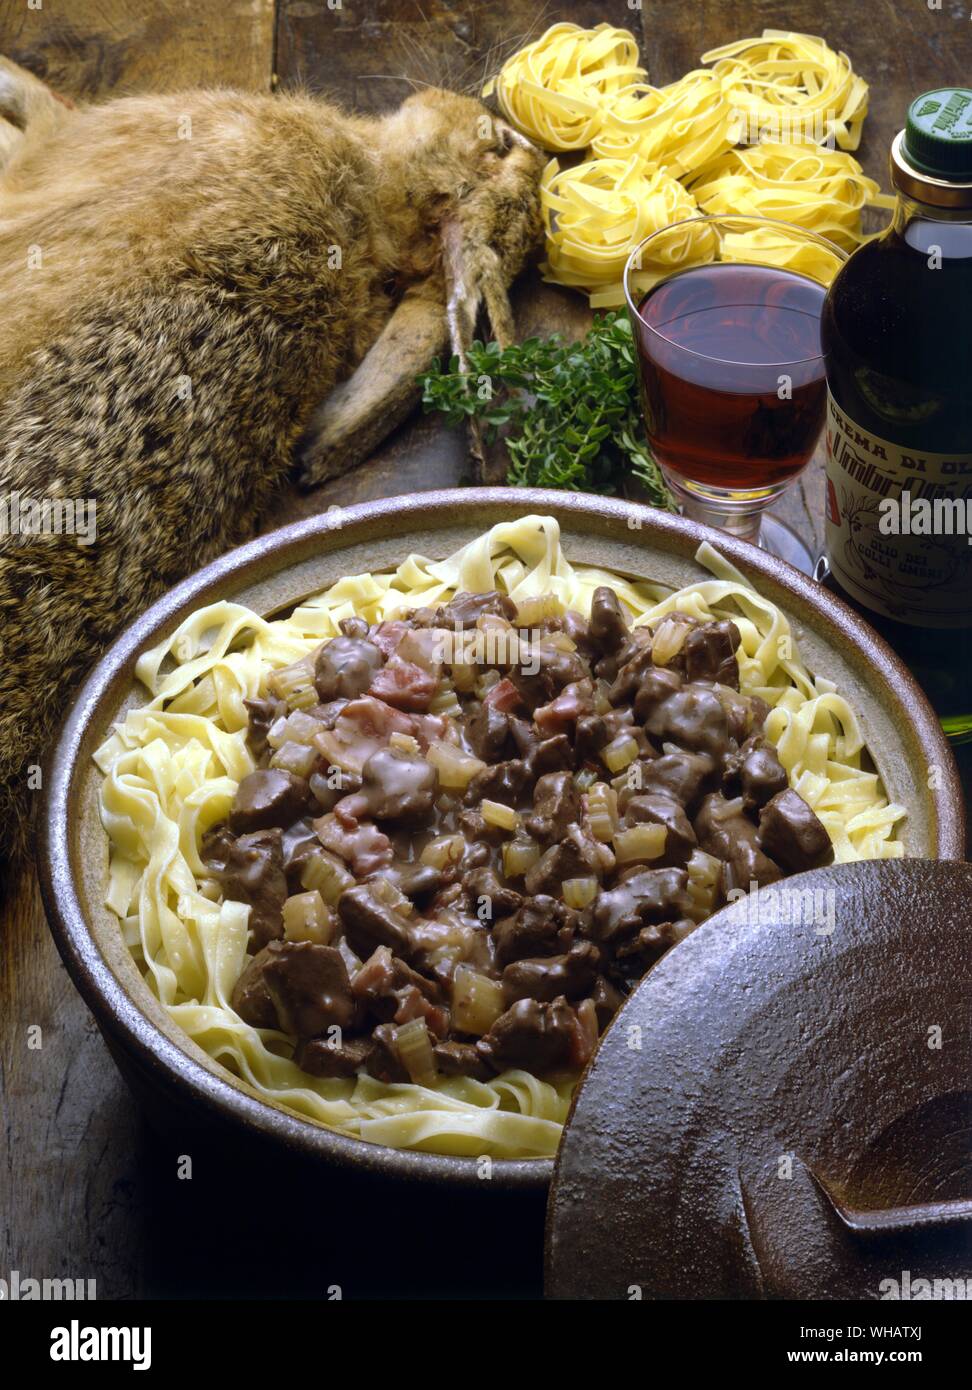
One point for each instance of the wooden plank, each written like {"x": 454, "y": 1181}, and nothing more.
{"x": 90, "y": 48}
{"x": 69, "y": 1156}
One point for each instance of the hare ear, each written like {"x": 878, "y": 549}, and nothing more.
{"x": 473, "y": 273}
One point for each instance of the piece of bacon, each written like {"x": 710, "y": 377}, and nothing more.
{"x": 404, "y": 685}
{"x": 504, "y": 695}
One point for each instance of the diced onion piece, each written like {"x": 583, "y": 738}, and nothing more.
{"x": 294, "y": 683}
{"x": 485, "y": 683}
{"x": 704, "y": 878}
{"x": 585, "y": 779}
{"x": 620, "y": 752}
{"x": 464, "y": 676}
{"x": 560, "y": 642}
{"x": 495, "y": 813}
{"x": 298, "y": 758}
{"x": 602, "y": 705}
{"x": 456, "y": 769}
{"x": 443, "y": 851}
{"x": 640, "y": 842}
{"x": 386, "y": 892}
{"x": 306, "y": 918}
{"x": 301, "y": 727}
{"x": 327, "y": 874}
{"x": 445, "y": 701}
{"x": 531, "y": 612}
{"x": 579, "y": 892}
{"x": 668, "y": 639}
{"x": 602, "y": 812}
{"x": 519, "y": 856}
{"x": 477, "y": 1001}
{"x": 405, "y": 743}
{"x": 414, "y": 1048}
{"x": 277, "y": 732}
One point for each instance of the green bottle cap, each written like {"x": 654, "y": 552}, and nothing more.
{"x": 938, "y": 133}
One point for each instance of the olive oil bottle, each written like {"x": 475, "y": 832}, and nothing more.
{"x": 897, "y": 337}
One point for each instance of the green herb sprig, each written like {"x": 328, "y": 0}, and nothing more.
{"x": 569, "y": 412}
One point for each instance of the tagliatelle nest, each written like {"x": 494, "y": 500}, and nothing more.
{"x": 793, "y": 85}
{"x": 596, "y": 214}
{"x": 679, "y": 127}
{"x": 821, "y": 190}
{"x": 557, "y": 89}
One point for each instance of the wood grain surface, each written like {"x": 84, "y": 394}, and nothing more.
{"x": 86, "y": 1190}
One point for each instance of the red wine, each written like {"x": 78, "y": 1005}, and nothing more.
{"x": 732, "y": 377}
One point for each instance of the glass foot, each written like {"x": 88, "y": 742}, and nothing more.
{"x": 783, "y": 542}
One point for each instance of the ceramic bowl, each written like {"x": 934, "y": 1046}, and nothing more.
{"x": 174, "y": 1078}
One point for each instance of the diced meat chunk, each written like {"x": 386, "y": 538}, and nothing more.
{"x": 309, "y": 986}
{"x": 654, "y": 808}
{"x": 556, "y": 806}
{"x": 399, "y": 787}
{"x": 571, "y": 975}
{"x": 792, "y": 834}
{"x": 345, "y": 667}
{"x": 261, "y": 714}
{"x": 575, "y": 856}
{"x": 330, "y": 1058}
{"x": 465, "y": 610}
{"x": 709, "y": 654}
{"x": 724, "y": 830}
{"x": 266, "y": 798}
{"x": 539, "y": 1037}
{"x": 486, "y": 897}
{"x": 505, "y": 782}
{"x": 461, "y": 1059}
{"x": 550, "y": 755}
{"x": 363, "y": 847}
{"x": 250, "y": 870}
{"x": 693, "y": 718}
{"x": 562, "y": 713}
{"x": 608, "y": 625}
{"x": 645, "y": 897}
{"x": 250, "y": 998}
{"x": 683, "y": 775}
{"x": 541, "y": 926}
{"x": 384, "y": 1063}
{"x": 370, "y": 923}
{"x": 755, "y": 772}
{"x": 488, "y": 732}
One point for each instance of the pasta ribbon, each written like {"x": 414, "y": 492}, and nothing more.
{"x": 823, "y": 191}
{"x": 171, "y": 769}
{"x": 678, "y": 127}
{"x": 597, "y": 212}
{"x": 790, "y": 86}
{"x": 557, "y": 89}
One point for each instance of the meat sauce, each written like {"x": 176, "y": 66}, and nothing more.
{"x": 463, "y": 850}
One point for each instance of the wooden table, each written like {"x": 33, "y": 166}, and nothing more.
{"x": 85, "y": 1189}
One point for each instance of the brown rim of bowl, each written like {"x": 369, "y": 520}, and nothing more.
{"x": 119, "y": 1016}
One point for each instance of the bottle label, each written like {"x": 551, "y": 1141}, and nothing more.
{"x": 899, "y": 525}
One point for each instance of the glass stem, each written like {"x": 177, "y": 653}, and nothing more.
{"x": 743, "y": 525}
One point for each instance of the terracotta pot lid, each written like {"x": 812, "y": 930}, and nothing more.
{"x": 781, "y": 1110}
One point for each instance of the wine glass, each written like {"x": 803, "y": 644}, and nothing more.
{"x": 725, "y": 312}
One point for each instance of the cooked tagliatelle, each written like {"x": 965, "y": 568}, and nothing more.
{"x": 172, "y": 767}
